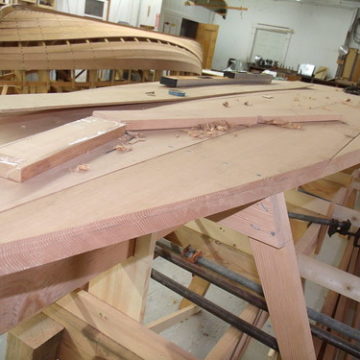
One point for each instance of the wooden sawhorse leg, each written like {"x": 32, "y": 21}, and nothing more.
{"x": 267, "y": 224}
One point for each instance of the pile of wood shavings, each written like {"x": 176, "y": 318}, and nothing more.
{"x": 283, "y": 124}
{"x": 208, "y": 130}
{"x": 128, "y": 139}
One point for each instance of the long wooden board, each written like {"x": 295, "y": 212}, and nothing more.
{"x": 30, "y": 156}
{"x": 129, "y": 94}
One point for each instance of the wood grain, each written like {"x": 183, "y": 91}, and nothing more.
{"x": 30, "y": 156}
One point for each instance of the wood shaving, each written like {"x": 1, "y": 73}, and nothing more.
{"x": 82, "y": 167}
{"x": 268, "y": 97}
{"x": 283, "y": 124}
{"x": 122, "y": 148}
{"x": 209, "y": 130}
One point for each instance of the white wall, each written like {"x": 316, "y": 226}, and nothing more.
{"x": 173, "y": 11}
{"x": 133, "y": 12}
{"x": 318, "y": 31}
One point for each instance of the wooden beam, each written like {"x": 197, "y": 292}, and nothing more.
{"x": 169, "y": 320}
{"x": 199, "y": 286}
{"x": 30, "y": 156}
{"x": 36, "y": 288}
{"x": 329, "y": 277}
{"x": 135, "y": 123}
{"x": 126, "y": 285}
{"x": 233, "y": 343}
{"x": 34, "y": 339}
{"x": 106, "y": 323}
{"x": 279, "y": 274}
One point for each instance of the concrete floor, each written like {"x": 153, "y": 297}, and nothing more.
{"x": 200, "y": 333}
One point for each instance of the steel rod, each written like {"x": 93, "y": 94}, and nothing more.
{"x": 324, "y": 319}
{"x": 254, "y": 300}
{"x": 216, "y": 310}
{"x": 309, "y": 218}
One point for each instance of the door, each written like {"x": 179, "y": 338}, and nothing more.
{"x": 206, "y": 35}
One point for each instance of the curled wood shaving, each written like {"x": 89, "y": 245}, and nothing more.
{"x": 283, "y": 124}
{"x": 209, "y": 130}
{"x": 82, "y": 167}
{"x": 122, "y": 148}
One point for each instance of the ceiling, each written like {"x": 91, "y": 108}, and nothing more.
{"x": 337, "y": 3}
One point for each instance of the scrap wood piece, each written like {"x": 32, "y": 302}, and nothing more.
{"x": 32, "y": 155}
{"x": 137, "y": 121}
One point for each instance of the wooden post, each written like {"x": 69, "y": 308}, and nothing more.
{"x": 35, "y": 339}
{"x": 267, "y": 223}
{"x": 125, "y": 286}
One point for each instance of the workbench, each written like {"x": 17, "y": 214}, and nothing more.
{"x": 62, "y": 228}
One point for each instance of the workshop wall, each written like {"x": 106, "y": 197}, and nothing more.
{"x": 173, "y": 11}
{"x": 318, "y": 31}
{"x": 132, "y": 12}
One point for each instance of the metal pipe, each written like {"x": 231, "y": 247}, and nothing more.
{"x": 242, "y": 325}
{"x": 216, "y": 310}
{"x": 309, "y": 218}
{"x": 212, "y": 278}
{"x": 231, "y": 275}
{"x": 326, "y": 320}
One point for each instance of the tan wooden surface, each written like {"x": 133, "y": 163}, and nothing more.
{"x": 50, "y": 224}
{"x": 129, "y": 94}
{"x": 30, "y": 156}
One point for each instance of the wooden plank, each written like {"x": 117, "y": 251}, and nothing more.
{"x": 169, "y": 320}
{"x": 35, "y": 339}
{"x": 28, "y": 157}
{"x": 219, "y": 123}
{"x": 126, "y": 285}
{"x": 329, "y": 277}
{"x": 30, "y": 291}
{"x": 128, "y": 94}
{"x": 279, "y": 274}
{"x": 306, "y": 244}
{"x": 120, "y": 328}
{"x": 259, "y": 220}
{"x": 197, "y": 285}
{"x": 232, "y": 344}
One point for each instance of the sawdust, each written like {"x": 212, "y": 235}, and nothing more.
{"x": 209, "y": 130}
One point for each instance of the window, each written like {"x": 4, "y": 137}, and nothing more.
{"x": 95, "y": 8}
{"x": 271, "y": 42}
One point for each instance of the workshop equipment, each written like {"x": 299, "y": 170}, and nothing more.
{"x": 335, "y": 226}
